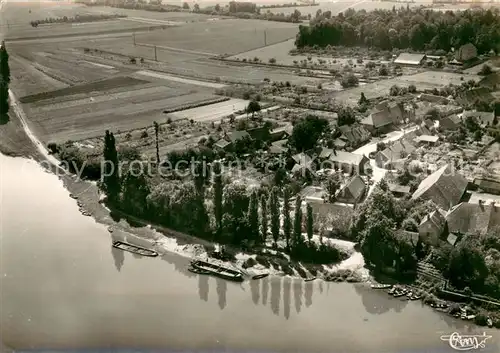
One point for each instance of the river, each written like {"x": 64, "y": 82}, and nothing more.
{"x": 64, "y": 287}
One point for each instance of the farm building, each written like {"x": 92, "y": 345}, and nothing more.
{"x": 353, "y": 191}
{"x": 385, "y": 115}
{"x": 445, "y": 187}
{"x": 466, "y": 52}
{"x": 473, "y": 219}
{"x": 491, "y": 81}
{"x": 488, "y": 185}
{"x": 234, "y": 136}
{"x": 354, "y": 135}
{"x": 432, "y": 227}
{"x": 410, "y": 59}
{"x": 350, "y": 162}
{"x": 280, "y": 133}
{"x": 483, "y": 118}
{"x": 451, "y": 122}
{"x": 432, "y": 98}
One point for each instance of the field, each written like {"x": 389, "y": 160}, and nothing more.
{"x": 423, "y": 80}
{"x": 213, "y": 112}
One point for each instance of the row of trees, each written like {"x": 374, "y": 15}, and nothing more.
{"x": 211, "y": 207}
{"x": 76, "y": 19}
{"x": 417, "y": 29}
{"x": 4, "y": 81}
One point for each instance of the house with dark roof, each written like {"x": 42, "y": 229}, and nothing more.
{"x": 466, "y": 52}
{"x": 353, "y": 191}
{"x": 451, "y": 122}
{"x": 489, "y": 185}
{"x": 431, "y": 228}
{"x": 473, "y": 219}
{"x": 350, "y": 162}
{"x": 445, "y": 187}
{"x": 281, "y": 133}
{"x": 236, "y": 135}
{"x": 325, "y": 153}
{"x": 385, "y": 115}
{"x": 222, "y": 145}
{"x": 395, "y": 151}
{"x": 410, "y": 59}
{"x": 260, "y": 133}
{"x": 354, "y": 135}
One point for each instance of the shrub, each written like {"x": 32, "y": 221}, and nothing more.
{"x": 272, "y": 61}
{"x": 349, "y": 80}
{"x": 144, "y": 134}
{"x": 53, "y": 148}
{"x": 412, "y": 89}
{"x": 133, "y": 61}
{"x": 370, "y": 65}
{"x": 383, "y": 71}
{"x": 485, "y": 70}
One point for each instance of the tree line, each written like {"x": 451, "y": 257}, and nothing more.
{"x": 4, "y": 81}
{"x": 209, "y": 206}
{"x": 418, "y": 29}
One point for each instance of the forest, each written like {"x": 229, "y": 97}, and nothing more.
{"x": 404, "y": 28}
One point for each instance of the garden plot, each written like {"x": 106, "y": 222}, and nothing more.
{"x": 228, "y": 36}
{"x": 212, "y": 112}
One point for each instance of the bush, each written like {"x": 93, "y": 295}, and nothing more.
{"x": 350, "y": 80}
{"x": 144, "y": 134}
{"x": 272, "y": 61}
{"x": 53, "y": 148}
{"x": 370, "y": 65}
{"x": 412, "y": 89}
{"x": 485, "y": 70}
{"x": 383, "y": 71}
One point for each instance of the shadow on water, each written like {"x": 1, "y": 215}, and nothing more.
{"x": 309, "y": 289}
{"x": 255, "y": 289}
{"x": 275, "y": 296}
{"x": 287, "y": 284}
{"x": 203, "y": 287}
{"x": 297, "y": 293}
{"x": 378, "y": 302}
{"x": 221, "y": 292}
{"x": 118, "y": 256}
{"x": 265, "y": 290}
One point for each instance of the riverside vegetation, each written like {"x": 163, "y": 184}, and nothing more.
{"x": 4, "y": 83}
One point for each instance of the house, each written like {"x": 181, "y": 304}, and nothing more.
{"x": 353, "y": 191}
{"x": 488, "y": 185}
{"x": 445, "y": 187}
{"x": 398, "y": 150}
{"x": 340, "y": 144}
{"x": 426, "y": 139}
{"x": 491, "y": 81}
{"x": 260, "y": 133}
{"x": 350, "y": 162}
{"x": 398, "y": 190}
{"x": 433, "y": 98}
{"x": 279, "y": 147}
{"x": 222, "y": 145}
{"x": 410, "y": 59}
{"x": 354, "y": 135}
{"x": 313, "y": 194}
{"x": 281, "y": 133}
{"x": 303, "y": 163}
{"x": 451, "y": 122}
{"x": 325, "y": 153}
{"x": 482, "y": 118}
{"x": 466, "y": 52}
{"x": 431, "y": 228}
{"x": 236, "y": 135}
{"x": 471, "y": 96}
{"x": 385, "y": 115}
{"x": 473, "y": 219}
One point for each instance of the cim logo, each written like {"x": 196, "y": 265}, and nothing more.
{"x": 466, "y": 342}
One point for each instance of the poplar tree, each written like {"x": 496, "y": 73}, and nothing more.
{"x": 253, "y": 216}
{"x": 157, "y": 128}
{"x": 297, "y": 225}
{"x": 4, "y": 63}
{"x": 287, "y": 223}
{"x": 309, "y": 222}
{"x": 218, "y": 190}
{"x": 111, "y": 178}
{"x": 275, "y": 215}
{"x": 263, "y": 218}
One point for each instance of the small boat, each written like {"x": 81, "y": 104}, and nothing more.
{"x": 415, "y": 297}
{"x": 260, "y": 276}
{"x": 391, "y": 291}
{"x": 309, "y": 279}
{"x": 489, "y": 322}
{"x": 198, "y": 271}
{"x": 381, "y": 286}
{"x": 134, "y": 249}
{"x": 400, "y": 293}
{"x": 217, "y": 270}
{"x": 73, "y": 196}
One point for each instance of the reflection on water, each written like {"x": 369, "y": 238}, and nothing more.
{"x": 255, "y": 289}
{"x": 265, "y": 289}
{"x": 275, "y": 297}
{"x": 221, "y": 292}
{"x": 286, "y": 298}
{"x": 118, "y": 256}
{"x": 297, "y": 293}
{"x": 374, "y": 304}
{"x": 203, "y": 287}
{"x": 309, "y": 293}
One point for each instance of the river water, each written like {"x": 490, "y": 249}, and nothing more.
{"x": 64, "y": 287}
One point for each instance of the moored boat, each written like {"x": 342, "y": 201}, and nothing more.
{"x": 218, "y": 270}
{"x": 309, "y": 279}
{"x": 135, "y": 249}
{"x": 381, "y": 286}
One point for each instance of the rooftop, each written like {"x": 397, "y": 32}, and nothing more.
{"x": 409, "y": 59}
{"x": 427, "y": 138}
{"x": 473, "y": 219}
{"x": 347, "y": 158}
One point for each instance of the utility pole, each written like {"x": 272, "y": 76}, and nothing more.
{"x": 156, "y": 58}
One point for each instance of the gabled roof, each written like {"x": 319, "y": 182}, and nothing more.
{"x": 473, "y": 219}
{"x": 222, "y": 143}
{"x": 409, "y": 59}
{"x": 485, "y": 118}
{"x": 452, "y": 239}
{"x": 355, "y": 187}
{"x": 436, "y": 218}
{"x": 394, "y": 151}
{"x": 445, "y": 187}
{"x": 236, "y": 135}
{"x": 302, "y": 158}
{"x": 354, "y": 134}
{"x": 485, "y": 183}
{"x": 377, "y": 119}
{"x": 427, "y": 138}
{"x": 398, "y": 188}
{"x": 348, "y": 158}
{"x": 450, "y": 122}
{"x": 325, "y": 152}
{"x": 339, "y": 143}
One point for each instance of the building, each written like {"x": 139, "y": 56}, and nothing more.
{"x": 279, "y": 147}
{"x": 350, "y": 162}
{"x": 325, "y": 153}
{"x": 222, "y": 145}
{"x": 336, "y": 217}
{"x": 385, "y": 116}
{"x": 260, "y": 133}
{"x": 426, "y": 139}
{"x": 466, "y": 52}
{"x": 303, "y": 163}
{"x": 488, "y": 185}
{"x": 396, "y": 151}
{"x": 433, "y": 98}
{"x": 482, "y": 118}
{"x": 431, "y": 228}
{"x": 445, "y": 187}
{"x": 237, "y": 135}
{"x": 398, "y": 190}
{"x": 473, "y": 219}
{"x": 410, "y": 59}
{"x": 354, "y": 135}
{"x": 281, "y": 133}
{"x": 353, "y": 191}
{"x": 451, "y": 122}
